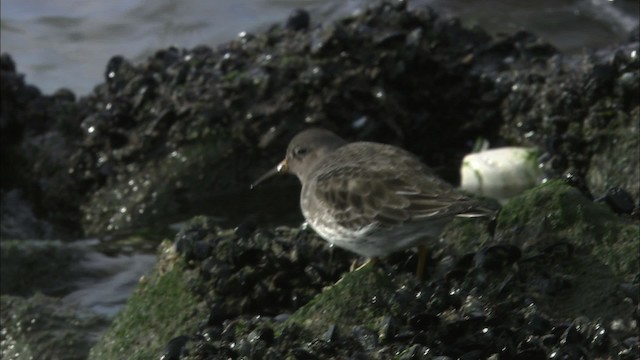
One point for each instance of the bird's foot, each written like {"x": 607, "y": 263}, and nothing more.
{"x": 354, "y": 265}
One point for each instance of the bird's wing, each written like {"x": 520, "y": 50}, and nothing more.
{"x": 360, "y": 196}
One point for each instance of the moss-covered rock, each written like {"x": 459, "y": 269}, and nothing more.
{"x": 616, "y": 163}
{"x": 555, "y": 212}
{"x": 163, "y": 306}
{"x": 550, "y": 272}
{"x": 28, "y": 266}
{"x": 356, "y": 299}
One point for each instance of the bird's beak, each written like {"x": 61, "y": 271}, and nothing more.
{"x": 281, "y": 168}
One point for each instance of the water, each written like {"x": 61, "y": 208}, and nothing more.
{"x": 67, "y": 43}
{"x": 108, "y": 281}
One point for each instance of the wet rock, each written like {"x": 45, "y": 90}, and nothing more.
{"x": 385, "y": 310}
{"x": 538, "y": 325}
{"x": 19, "y": 221}
{"x": 331, "y": 334}
{"x": 298, "y": 20}
{"x": 632, "y": 291}
{"x": 415, "y": 352}
{"x": 36, "y": 137}
{"x": 572, "y": 179}
{"x": 571, "y": 336}
{"x": 387, "y": 329}
{"x": 424, "y": 321}
{"x": 496, "y": 257}
{"x": 367, "y": 338}
{"x": 601, "y": 339}
{"x": 619, "y": 200}
{"x": 531, "y": 354}
{"x": 262, "y": 334}
{"x": 32, "y": 266}
{"x": 149, "y": 306}
{"x": 609, "y": 244}
{"x": 576, "y": 120}
{"x": 175, "y": 348}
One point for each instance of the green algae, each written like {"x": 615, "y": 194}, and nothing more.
{"x": 162, "y": 307}
{"x": 605, "y": 246}
{"x": 358, "y": 298}
{"x": 555, "y": 211}
{"x": 466, "y": 234}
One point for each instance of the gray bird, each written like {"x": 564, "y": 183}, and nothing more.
{"x": 369, "y": 198}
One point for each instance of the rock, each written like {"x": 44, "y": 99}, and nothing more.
{"x": 148, "y": 322}
{"x": 298, "y": 20}
{"x": 37, "y": 134}
{"x": 553, "y": 258}
{"x": 34, "y": 266}
{"x": 573, "y": 107}
{"x": 564, "y": 214}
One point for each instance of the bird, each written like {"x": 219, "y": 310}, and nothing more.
{"x": 370, "y": 198}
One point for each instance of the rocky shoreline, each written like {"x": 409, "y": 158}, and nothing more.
{"x": 187, "y": 131}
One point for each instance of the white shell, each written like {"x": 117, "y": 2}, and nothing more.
{"x": 501, "y": 173}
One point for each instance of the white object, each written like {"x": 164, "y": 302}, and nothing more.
{"x": 501, "y": 173}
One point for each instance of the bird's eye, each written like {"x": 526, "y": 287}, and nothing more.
{"x": 300, "y": 151}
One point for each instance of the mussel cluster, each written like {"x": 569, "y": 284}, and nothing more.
{"x": 490, "y": 303}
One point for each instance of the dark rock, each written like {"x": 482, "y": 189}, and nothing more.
{"x": 415, "y": 352}
{"x": 619, "y": 200}
{"x": 331, "y": 334}
{"x": 246, "y": 228}
{"x": 175, "y": 348}
{"x": 366, "y": 337}
{"x": 571, "y": 336}
{"x": 387, "y": 329}
{"x": 262, "y": 334}
{"x": 531, "y": 354}
{"x": 496, "y": 257}
{"x": 216, "y": 315}
{"x": 570, "y": 178}
{"x": 600, "y": 340}
{"x": 538, "y": 325}
{"x": 298, "y": 20}
{"x": 632, "y": 291}
{"x": 424, "y": 321}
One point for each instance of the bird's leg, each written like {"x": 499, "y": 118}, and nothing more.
{"x": 373, "y": 261}
{"x": 422, "y": 262}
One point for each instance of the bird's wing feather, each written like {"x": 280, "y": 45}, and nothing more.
{"x": 361, "y": 196}
{"x": 367, "y": 191}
